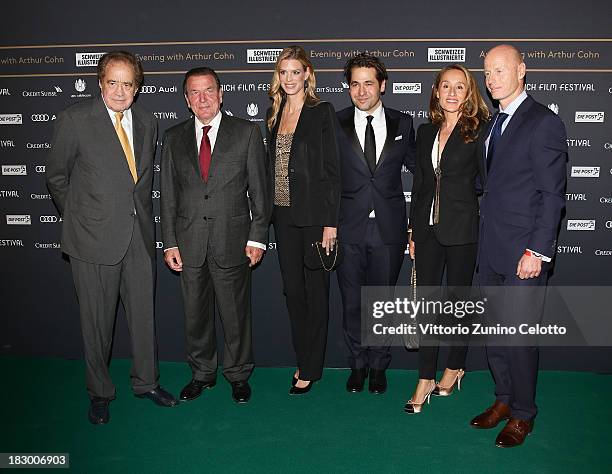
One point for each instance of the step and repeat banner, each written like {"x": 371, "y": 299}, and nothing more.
{"x": 573, "y": 77}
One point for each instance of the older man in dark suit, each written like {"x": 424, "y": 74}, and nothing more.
{"x": 520, "y": 212}
{"x": 215, "y": 212}
{"x": 100, "y": 175}
{"x": 377, "y": 142}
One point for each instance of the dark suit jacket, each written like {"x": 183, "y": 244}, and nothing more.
{"x": 524, "y": 191}
{"x": 314, "y": 172}
{"x": 90, "y": 182}
{"x": 195, "y": 213}
{"x": 458, "y": 223}
{"x": 382, "y": 191}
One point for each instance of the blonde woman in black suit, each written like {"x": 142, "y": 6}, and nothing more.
{"x": 444, "y": 209}
{"x": 302, "y": 148}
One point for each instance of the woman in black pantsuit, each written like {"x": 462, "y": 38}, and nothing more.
{"x": 302, "y": 147}
{"x": 444, "y": 209}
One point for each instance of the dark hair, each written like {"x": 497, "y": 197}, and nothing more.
{"x": 366, "y": 60}
{"x": 124, "y": 57}
{"x": 201, "y": 71}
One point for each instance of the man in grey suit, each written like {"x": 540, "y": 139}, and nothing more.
{"x": 100, "y": 175}
{"x": 213, "y": 172}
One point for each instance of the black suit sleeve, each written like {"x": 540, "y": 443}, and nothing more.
{"x": 410, "y": 156}
{"x": 331, "y": 166}
{"x": 168, "y": 200}
{"x": 417, "y": 180}
{"x": 61, "y": 159}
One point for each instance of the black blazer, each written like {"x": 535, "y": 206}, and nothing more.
{"x": 458, "y": 201}
{"x": 314, "y": 169}
{"x": 382, "y": 191}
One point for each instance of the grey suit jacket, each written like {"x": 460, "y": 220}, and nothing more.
{"x": 91, "y": 185}
{"x": 197, "y": 215}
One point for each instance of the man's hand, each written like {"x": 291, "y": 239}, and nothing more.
{"x": 411, "y": 248}
{"x": 328, "y": 241}
{"x": 172, "y": 257}
{"x": 529, "y": 267}
{"x": 254, "y": 254}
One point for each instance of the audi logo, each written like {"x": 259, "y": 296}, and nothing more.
{"x": 47, "y": 219}
{"x": 40, "y": 117}
{"x": 155, "y": 194}
{"x": 148, "y": 89}
{"x": 40, "y": 169}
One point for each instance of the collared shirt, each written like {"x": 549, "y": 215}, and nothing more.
{"x": 212, "y": 136}
{"x": 126, "y": 123}
{"x": 212, "y": 133}
{"x": 510, "y": 110}
{"x": 379, "y": 124}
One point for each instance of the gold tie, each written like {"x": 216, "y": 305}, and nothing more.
{"x": 125, "y": 143}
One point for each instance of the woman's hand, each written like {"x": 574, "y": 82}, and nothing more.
{"x": 328, "y": 241}
{"x": 411, "y": 247}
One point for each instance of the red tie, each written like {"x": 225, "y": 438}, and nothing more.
{"x": 205, "y": 155}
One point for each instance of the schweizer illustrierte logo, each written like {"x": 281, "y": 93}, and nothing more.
{"x": 80, "y": 85}
{"x": 252, "y": 109}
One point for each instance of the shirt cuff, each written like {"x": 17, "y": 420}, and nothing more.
{"x": 544, "y": 258}
{"x": 169, "y": 248}
{"x": 251, "y": 243}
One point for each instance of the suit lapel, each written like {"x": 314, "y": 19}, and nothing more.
{"x": 106, "y": 133}
{"x": 189, "y": 141}
{"x": 138, "y": 138}
{"x": 392, "y": 126}
{"x": 483, "y": 161}
{"x": 348, "y": 125}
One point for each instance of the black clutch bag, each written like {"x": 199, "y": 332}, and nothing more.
{"x": 315, "y": 257}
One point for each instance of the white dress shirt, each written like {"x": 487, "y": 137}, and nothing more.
{"x": 379, "y": 124}
{"x": 126, "y": 123}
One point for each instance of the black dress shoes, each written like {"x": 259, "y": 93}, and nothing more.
{"x": 378, "y": 381}
{"x": 160, "y": 397}
{"x": 295, "y": 390}
{"x": 98, "y": 411}
{"x": 241, "y": 391}
{"x": 356, "y": 380}
{"x": 195, "y": 388}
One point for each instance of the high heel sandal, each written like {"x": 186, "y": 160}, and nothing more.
{"x": 412, "y": 408}
{"x": 295, "y": 390}
{"x": 440, "y": 391}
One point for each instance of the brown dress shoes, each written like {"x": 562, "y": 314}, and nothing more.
{"x": 514, "y": 433}
{"x": 491, "y": 417}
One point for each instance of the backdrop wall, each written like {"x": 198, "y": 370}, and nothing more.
{"x": 47, "y": 62}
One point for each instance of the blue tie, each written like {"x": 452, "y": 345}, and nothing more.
{"x": 495, "y": 136}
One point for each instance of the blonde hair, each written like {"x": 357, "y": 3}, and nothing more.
{"x": 277, "y": 94}
{"x": 474, "y": 110}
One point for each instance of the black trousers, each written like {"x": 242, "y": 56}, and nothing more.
{"x": 514, "y": 368}
{"x": 99, "y": 288}
{"x": 306, "y": 292}
{"x": 369, "y": 263}
{"x": 431, "y": 257}
{"x": 230, "y": 288}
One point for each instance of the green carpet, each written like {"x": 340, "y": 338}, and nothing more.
{"x": 44, "y": 409}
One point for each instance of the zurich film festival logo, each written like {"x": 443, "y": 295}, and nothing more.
{"x": 581, "y": 224}
{"x": 589, "y": 117}
{"x": 446, "y": 55}
{"x": 18, "y": 219}
{"x": 554, "y": 107}
{"x": 87, "y": 59}
{"x": 406, "y": 87}
{"x": 14, "y": 170}
{"x": 11, "y": 119}
{"x": 260, "y": 56}
{"x": 585, "y": 172}
{"x": 252, "y": 109}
